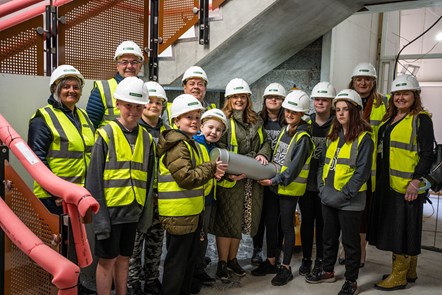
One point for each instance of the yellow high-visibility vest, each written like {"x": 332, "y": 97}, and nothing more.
{"x": 107, "y": 89}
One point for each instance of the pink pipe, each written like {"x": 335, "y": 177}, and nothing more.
{"x": 22, "y": 17}
{"x": 79, "y": 202}
{"x": 13, "y": 6}
{"x": 65, "y": 273}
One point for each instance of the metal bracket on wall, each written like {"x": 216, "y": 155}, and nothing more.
{"x": 51, "y": 15}
{"x": 154, "y": 41}
{"x": 203, "y": 22}
{"x": 4, "y": 156}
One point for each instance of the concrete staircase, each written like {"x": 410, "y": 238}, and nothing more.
{"x": 255, "y": 36}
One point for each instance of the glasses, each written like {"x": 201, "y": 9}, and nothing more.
{"x": 127, "y": 62}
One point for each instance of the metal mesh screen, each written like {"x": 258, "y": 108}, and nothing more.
{"x": 176, "y": 17}
{"x": 94, "y": 29}
{"x": 18, "y": 267}
{"x": 21, "y": 48}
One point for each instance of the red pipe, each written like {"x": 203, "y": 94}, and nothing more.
{"x": 65, "y": 273}
{"x": 26, "y": 15}
{"x": 79, "y": 202}
{"x": 13, "y": 6}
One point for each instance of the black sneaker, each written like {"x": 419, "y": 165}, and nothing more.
{"x": 204, "y": 278}
{"x": 306, "y": 267}
{"x": 321, "y": 277}
{"x": 152, "y": 287}
{"x": 349, "y": 288}
{"x": 257, "y": 256}
{"x": 265, "y": 268}
{"x": 283, "y": 276}
{"x": 318, "y": 265}
{"x": 234, "y": 267}
{"x": 222, "y": 273}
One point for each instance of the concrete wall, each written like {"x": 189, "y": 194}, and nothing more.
{"x": 353, "y": 41}
{"x": 302, "y": 69}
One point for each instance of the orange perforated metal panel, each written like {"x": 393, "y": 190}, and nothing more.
{"x": 176, "y": 17}
{"x": 21, "y": 49}
{"x": 94, "y": 29}
{"x": 22, "y": 275}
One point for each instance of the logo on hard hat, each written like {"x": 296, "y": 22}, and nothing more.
{"x": 70, "y": 70}
{"x": 237, "y": 88}
{"x": 128, "y": 48}
{"x": 135, "y": 94}
{"x": 402, "y": 84}
{"x": 343, "y": 94}
{"x": 293, "y": 103}
{"x": 273, "y": 90}
{"x": 322, "y": 91}
{"x": 193, "y": 103}
{"x": 196, "y": 72}
{"x": 364, "y": 70}
{"x": 152, "y": 90}
{"x": 219, "y": 114}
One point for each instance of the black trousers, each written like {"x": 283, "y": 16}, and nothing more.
{"x": 179, "y": 264}
{"x": 287, "y": 207}
{"x": 271, "y": 218}
{"x": 311, "y": 223}
{"x": 348, "y": 222}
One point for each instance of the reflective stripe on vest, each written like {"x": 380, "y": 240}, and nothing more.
{"x": 204, "y": 154}
{"x": 377, "y": 114}
{"x": 299, "y": 185}
{"x": 125, "y": 171}
{"x": 403, "y": 152}
{"x": 174, "y": 200}
{"x": 345, "y": 164}
{"x": 107, "y": 89}
{"x": 70, "y": 151}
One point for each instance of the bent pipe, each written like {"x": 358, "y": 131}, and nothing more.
{"x": 71, "y": 194}
{"x": 65, "y": 273}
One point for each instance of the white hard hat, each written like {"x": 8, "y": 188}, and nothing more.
{"x": 364, "y": 69}
{"x": 184, "y": 103}
{"x": 297, "y": 101}
{"x": 349, "y": 95}
{"x": 155, "y": 89}
{"x": 132, "y": 90}
{"x": 405, "y": 82}
{"x": 194, "y": 72}
{"x": 128, "y": 47}
{"x": 237, "y": 86}
{"x": 323, "y": 89}
{"x": 215, "y": 113}
{"x": 64, "y": 71}
{"x": 274, "y": 89}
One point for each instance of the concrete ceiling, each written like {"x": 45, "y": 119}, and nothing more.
{"x": 274, "y": 35}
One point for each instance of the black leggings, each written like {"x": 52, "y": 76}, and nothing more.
{"x": 310, "y": 205}
{"x": 287, "y": 207}
{"x": 270, "y": 215}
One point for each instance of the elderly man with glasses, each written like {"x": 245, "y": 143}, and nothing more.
{"x": 101, "y": 106}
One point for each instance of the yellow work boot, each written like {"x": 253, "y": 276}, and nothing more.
{"x": 412, "y": 274}
{"x": 398, "y": 277}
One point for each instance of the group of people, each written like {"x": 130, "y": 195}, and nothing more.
{"x": 354, "y": 165}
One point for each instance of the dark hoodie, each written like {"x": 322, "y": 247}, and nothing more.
{"x": 319, "y": 134}
{"x": 298, "y": 156}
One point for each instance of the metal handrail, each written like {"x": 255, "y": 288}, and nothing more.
{"x": 77, "y": 201}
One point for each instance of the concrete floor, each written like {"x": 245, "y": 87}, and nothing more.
{"x": 377, "y": 263}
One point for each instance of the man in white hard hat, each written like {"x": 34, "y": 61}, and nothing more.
{"x": 101, "y": 106}
{"x": 194, "y": 83}
{"x": 123, "y": 196}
